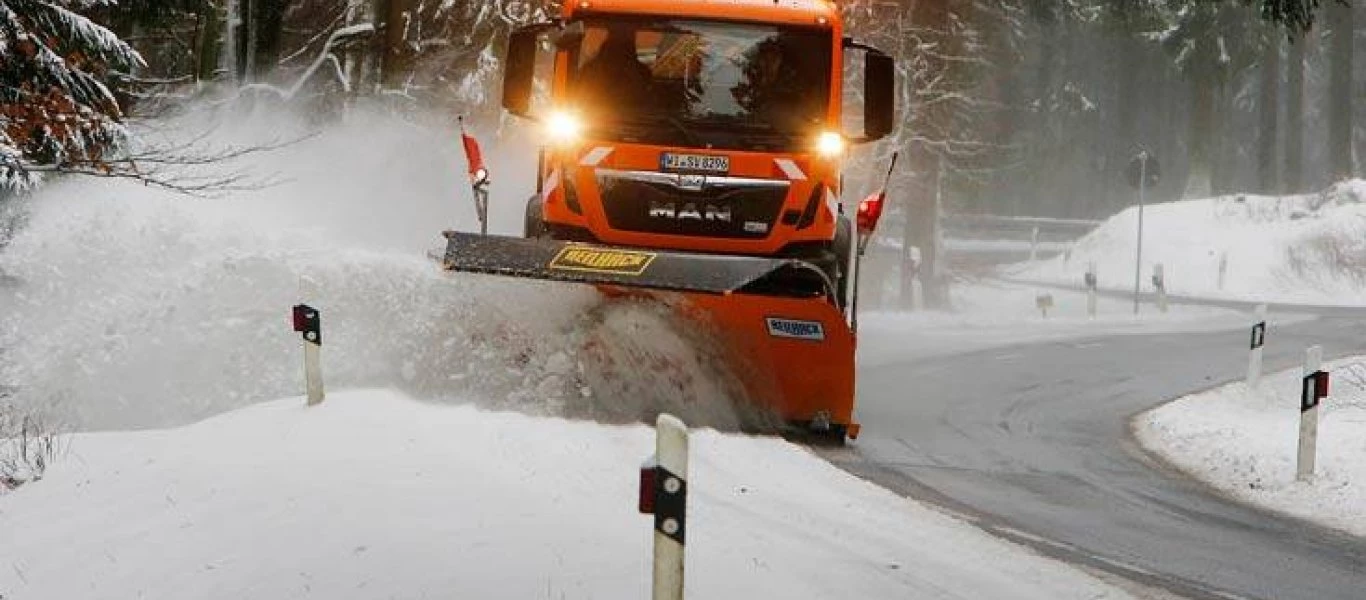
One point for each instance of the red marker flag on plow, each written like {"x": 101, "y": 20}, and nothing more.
{"x": 479, "y": 177}
{"x": 870, "y": 209}
{"x": 474, "y": 157}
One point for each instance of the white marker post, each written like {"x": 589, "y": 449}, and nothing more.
{"x": 1160, "y": 284}
{"x": 1034, "y": 245}
{"x": 1091, "y": 284}
{"x": 308, "y": 322}
{"x": 1254, "y": 357}
{"x": 1313, "y": 389}
{"x": 664, "y": 493}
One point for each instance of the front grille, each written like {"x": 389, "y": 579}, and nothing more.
{"x": 696, "y": 205}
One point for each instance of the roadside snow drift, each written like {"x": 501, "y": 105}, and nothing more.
{"x": 1306, "y": 249}
{"x": 1244, "y": 442}
{"x": 123, "y": 306}
{"x": 372, "y": 495}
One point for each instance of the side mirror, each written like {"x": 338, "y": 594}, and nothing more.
{"x": 879, "y": 96}
{"x": 519, "y": 72}
{"x": 879, "y": 91}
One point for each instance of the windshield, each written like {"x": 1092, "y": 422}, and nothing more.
{"x": 702, "y": 83}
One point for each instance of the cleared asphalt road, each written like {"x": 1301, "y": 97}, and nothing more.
{"x": 1032, "y": 442}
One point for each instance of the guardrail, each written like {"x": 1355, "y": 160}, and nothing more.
{"x": 1073, "y": 228}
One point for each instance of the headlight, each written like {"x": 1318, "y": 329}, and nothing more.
{"x": 830, "y": 144}
{"x": 563, "y": 127}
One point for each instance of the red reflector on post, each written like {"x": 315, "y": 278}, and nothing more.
{"x": 1321, "y": 385}
{"x": 301, "y": 317}
{"x": 646, "y": 500}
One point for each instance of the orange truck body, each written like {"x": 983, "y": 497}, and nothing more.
{"x": 793, "y": 350}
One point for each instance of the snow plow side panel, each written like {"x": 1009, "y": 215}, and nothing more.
{"x": 795, "y": 355}
{"x": 627, "y": 267}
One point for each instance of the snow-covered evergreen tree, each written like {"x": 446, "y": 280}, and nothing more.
{"x": 55, "y": 108}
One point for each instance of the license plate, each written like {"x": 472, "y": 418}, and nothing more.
{"x": 670, "y": 161}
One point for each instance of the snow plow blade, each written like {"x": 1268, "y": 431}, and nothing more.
{"x": 650, "y": 269}
{"x": 775, "y": 319}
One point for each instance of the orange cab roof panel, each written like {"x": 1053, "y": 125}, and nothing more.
{"x": 793, "y": 12}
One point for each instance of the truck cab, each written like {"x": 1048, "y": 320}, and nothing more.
{"x": 695, "y": 125}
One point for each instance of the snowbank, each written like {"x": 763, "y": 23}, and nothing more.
{"x": 990, "y": 314}
{"x": 1305, "y": 249}
{"x": 1244, "y": 442}
{"x": 372, "y": 495}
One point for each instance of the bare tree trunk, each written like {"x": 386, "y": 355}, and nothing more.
{"x": 361, "y": 68}
{"x": 1359, "y": 116}
{"x": 394, "y": 62}
{"x": 1044, "y": 181}
{"x": 931, "y": 16}
{"x": 1223, "y": 141}
{"x": 909, "y": 261}
{"x": 1340, "y": 91}
{"x": 1269, "y": 109}
{"x": 267, "y": 33}
{"x": 208, "y": 47}
{"x": 245, "y": 37}
{"x": 1294, "y": 117}
{"x": 232, "y": 22}
{"x": 1200, "y": 184}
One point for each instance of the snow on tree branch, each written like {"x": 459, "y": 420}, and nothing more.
{"x": 55, "y": 107}
{"x": 80, "y": 33}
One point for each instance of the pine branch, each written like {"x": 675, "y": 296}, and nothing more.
{"x": 50, "y": 20}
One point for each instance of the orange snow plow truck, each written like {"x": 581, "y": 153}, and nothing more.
{"x": 692, "y": 155}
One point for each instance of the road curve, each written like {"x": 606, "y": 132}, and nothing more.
{"x": 1032, "y": 443}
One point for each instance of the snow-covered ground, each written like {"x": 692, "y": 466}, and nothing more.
{"x": 990, "y": 314}
{"x": 373, "y": 495}
{"x": 1244, "y": 442}
{"x": 1295, "y": 249}
{"x": 126, "y": 311}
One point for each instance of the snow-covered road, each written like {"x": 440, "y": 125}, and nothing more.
{"x": 1032, "y": 441}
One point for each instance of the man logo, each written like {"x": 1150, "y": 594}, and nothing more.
{"x": 797, "y": 330}
{"x": 690, "y": 211}
{"x": 602, "y": 260}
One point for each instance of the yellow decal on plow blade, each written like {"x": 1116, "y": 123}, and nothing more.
{"x": 599, "y": 260}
